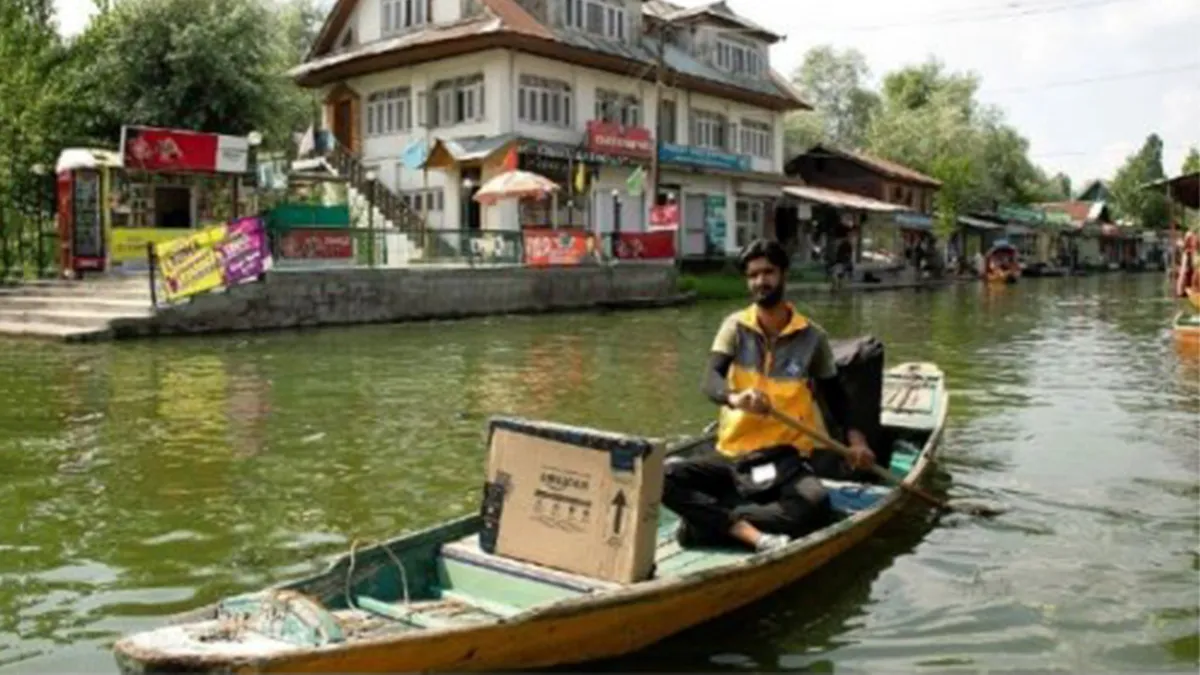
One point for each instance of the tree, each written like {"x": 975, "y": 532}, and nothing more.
{"x": 1131, "y": 200}
{"x": 1061, "y": 185}
{"x": 834, "y": 83}
{"x": 1191, "y": 163}
{"x": 198, "y": 83}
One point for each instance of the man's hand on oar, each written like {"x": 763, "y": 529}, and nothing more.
{"x": 887, "y": 476}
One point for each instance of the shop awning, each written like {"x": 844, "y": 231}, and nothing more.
{"x": 446, "y": 152}
{"x": 913, "y": 221}
{"x": 978, "y": 223}
{"x": 843, "y": 200}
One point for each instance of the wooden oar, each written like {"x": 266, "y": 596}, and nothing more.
{"x": 887, "y": 476}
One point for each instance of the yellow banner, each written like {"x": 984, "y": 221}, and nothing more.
{"x": 129, "y": 243}
{"x": 190, "y": 265}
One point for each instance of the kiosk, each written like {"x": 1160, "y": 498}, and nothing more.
{"x": 161, "y": 184}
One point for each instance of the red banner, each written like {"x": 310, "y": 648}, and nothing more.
{"x": 317, "y": 244}
{"x": 665, "y": 217}
{"x": 557, "y": 247}
{"x": 151, "y": 149}
{"x": 607, "y": 138}
{"x": 646, "y": 245}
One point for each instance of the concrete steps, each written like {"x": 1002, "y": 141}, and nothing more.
{"x": 72, "y": 310}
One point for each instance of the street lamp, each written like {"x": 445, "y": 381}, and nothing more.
{"x": 370, "y": 176}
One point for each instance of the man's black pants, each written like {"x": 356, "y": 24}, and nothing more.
{"x": 703, "y": 490}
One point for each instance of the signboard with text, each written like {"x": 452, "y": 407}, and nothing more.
{"x": 212, "y": 258}
{"x": 671, "y": 153}
{"x": 311, "y": 244}
{"x": 609, "y": 138}
{"x": 664, "y": 217}
{"x": 544, "y": 247}
{"x": 154, "y": 149}
{"x": 646, "y": 245}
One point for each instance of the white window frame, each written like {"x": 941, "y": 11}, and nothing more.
{"x": 738, "y": 58}
{"x": 389, "y": 111}
{"x": 709, "y": 130}
{"x": 400, "y": 16}
{"x": 618, "y": 108}
{"x": 611, "y": 18}
{"x": 419, "y": 200}
{"x": 757, "y": 139}
{"x": 545, "y": 101}
{"x": 456, "y": 101}
{"x": 751, "y": 218}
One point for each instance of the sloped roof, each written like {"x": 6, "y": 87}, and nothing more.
{"x": 502, "y": 19}
{"x": 841, "y": 199}
{"x": 720, "y": 10}
{"x": 1080, "y": 211}
{"x": 1184, "y": 188}
{"x": 878, "y": 164}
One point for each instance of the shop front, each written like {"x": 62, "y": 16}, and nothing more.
{"x": 161, "y": 184}
{"x": 722, "y": 205}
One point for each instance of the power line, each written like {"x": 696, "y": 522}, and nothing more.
{"x": 1100, "y": 78}
{"x": 994, "y": 15}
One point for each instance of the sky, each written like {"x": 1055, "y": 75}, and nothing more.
{"x": 1084, "y": 80}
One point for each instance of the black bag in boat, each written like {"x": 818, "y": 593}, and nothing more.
{"x": 860, "y": 371}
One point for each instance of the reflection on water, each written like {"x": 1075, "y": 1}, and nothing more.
{"x": 142, "y": 479}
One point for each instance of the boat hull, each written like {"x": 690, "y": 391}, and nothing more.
{"x": 608, "y": 624}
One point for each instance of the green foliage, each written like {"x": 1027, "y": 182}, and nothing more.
{"x": 926, "y": 117}
{"x": 1191, "y": 163}
{"x": 1147, "y": 208}
{"x": 834, "y": 83}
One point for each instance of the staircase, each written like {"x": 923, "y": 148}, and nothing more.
{"x": 402, "y": 229}
{"x": 72, "y": 310}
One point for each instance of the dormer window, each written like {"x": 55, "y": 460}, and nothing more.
{"x": 599, "y": 17}
{"x": 739, "y": 59}
{"x": 400, "y": 16}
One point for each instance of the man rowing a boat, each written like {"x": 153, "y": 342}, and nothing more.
{"x": 758, "y": 488}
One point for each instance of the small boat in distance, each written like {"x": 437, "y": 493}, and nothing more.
{"x": 433, "y": 600}
{"x": 1002, "y": 263}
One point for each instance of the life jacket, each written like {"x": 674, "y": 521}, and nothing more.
{"x": 781, "y": 369}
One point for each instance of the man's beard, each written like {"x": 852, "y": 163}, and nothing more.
{"x": 770, "y": 298}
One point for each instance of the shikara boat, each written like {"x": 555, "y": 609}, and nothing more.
{"x": 434, "y": 601}
{"x": 1002, "y": 264}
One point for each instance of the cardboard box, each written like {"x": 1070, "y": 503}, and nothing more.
{"x": 575, "y": 499}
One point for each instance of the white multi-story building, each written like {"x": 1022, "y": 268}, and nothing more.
{"x": 435, "y": 94}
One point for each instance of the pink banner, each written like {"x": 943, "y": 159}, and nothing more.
{"x": 243, "y": 251}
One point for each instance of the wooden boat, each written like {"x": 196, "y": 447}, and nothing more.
{"x": 1002, "y": 264}
{"x": 434, "y": 601}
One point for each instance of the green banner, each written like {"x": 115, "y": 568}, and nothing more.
{"x": 294, "y": 216}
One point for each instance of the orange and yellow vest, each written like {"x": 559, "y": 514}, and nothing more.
{"x": 779, "y": 368}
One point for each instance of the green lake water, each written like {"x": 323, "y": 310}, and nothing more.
{"x": 142, "y": 479}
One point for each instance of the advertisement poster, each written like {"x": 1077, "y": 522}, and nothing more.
{"x": 665, "y": 217}
{"x": 153, "y": 149}
{"x": 714, "y": 223}
{"x": 317, "y": 245}
{"x": 212, "y": 258}
{"x": 646, "y": 245}
{"x": 243, "y": 251}
{"x": 129, "y": 244}
{"x": 557, "y": 247}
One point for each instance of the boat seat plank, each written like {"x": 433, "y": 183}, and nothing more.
{"x": 467, "y": 551}
{"x": 490, "y": 606}
{"x": 426, "y": 614}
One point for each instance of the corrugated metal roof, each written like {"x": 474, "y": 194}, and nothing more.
{"x": 841, "y": 199}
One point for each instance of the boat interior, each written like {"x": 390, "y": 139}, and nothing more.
{"x": 443, "y": 579}
{"x": 440, "y": 578}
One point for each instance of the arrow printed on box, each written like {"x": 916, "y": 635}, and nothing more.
{"x": 619, "y": 505}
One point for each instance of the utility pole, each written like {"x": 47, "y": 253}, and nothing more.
{"x": 659, "y": 75}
